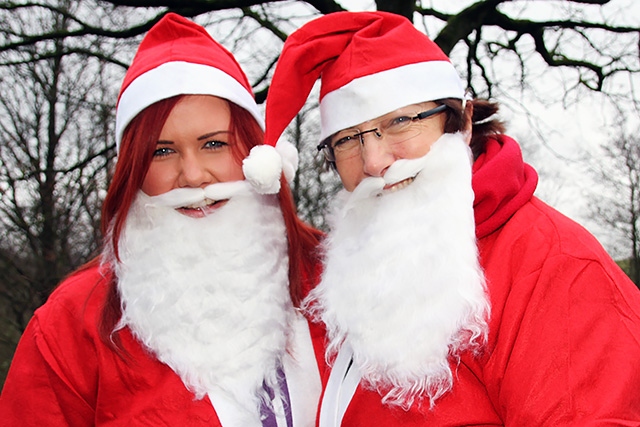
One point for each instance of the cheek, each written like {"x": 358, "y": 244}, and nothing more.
{"x": 351, "y": 172}
{"x": 234, "y": 173}
{"x": 420, "y": 146}
{"x": 229, "y": 169}
{"x": 158, "y": 180}
{"x": 415, "y": 151}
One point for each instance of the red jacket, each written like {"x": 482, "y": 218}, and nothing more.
{"x": 63, "y": 375}
{"x": 564, "y": 340}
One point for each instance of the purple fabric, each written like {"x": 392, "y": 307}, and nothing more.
{"x": 266, "y": 411}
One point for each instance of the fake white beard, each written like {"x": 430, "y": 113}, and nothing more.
{"x": 402, "y": 283}
{"x": 209, "y": 296}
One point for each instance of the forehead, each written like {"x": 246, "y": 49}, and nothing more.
{"x": 408, "y": 110}
{"x": 194, "y": 112}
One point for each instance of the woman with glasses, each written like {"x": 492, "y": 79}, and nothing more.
{"x": 451, "y": 295}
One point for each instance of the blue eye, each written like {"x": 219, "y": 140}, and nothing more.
{"x": 162, "y": 151}
{"x": 215, "y": 145}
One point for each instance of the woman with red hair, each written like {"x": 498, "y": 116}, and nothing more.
{"x": 189, "y": 316}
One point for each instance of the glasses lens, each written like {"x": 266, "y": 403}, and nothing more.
{"x": 325, "y": 147}
{"x": 345, "y": 145}
{"x": 399, "y": 128}
{"x": 391, "y": 129}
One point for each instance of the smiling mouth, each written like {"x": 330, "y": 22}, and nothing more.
{"x": 201, "y": 208}
{"x": 200, "y": 204}
{"x": 391, "y": 188}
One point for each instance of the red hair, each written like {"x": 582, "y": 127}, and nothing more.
{"x": 302, "y": 239}
{"x": 136, "y": 152}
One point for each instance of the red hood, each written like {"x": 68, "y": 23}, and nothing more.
{"x": 502, "y": 183}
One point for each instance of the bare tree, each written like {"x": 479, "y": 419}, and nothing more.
{"x": 589, "y": 41}
{"x": 315, "y": 182}
{"x": 617, "y": 197}
{"x": 61, "y": 60}
{"x": 594, "y": 49}
{"x": 56, "y": 149}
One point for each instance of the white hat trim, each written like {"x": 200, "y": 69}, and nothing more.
{"x": 372, "y": 96}
{"x": 180, "y": 78}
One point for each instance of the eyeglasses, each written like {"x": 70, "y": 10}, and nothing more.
{"x": 395, "y": 128}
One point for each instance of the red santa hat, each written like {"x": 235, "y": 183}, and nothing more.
{"x": 179, "y": 57}
{"x": 370, "y": 63}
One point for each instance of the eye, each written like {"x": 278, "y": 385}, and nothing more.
{"x": 215, "y": 145}
{"x": 162, "y": 152}
{"x": 345, "y": 142}
{"x": 398, "y": 121}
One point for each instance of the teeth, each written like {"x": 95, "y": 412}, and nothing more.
{"x": 400, "y": 185}
{"x": 200, "y": 204}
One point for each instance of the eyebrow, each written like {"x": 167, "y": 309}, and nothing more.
{"x": 200, "y": 138}
{"x": 392, "y": 114}
{"x": 346, "y": 131}
{"x": 210, "y": 134}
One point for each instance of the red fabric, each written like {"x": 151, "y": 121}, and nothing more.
{"x": 175, "y": 38}
{"x": 502, "y": 183}
{"x": 340, "y": 47}
{"x": 564, "y": 340}
{"x": 63, "y": 375}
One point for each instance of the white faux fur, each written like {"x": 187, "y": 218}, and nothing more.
{"x": 186, "y": 78}
{"x": 289, "y": 154}
{"x": 209, "y": 296}
{"x": 262, "y": 168}
{"x": 366, "y": 97}
{"x": 402, "y": 283}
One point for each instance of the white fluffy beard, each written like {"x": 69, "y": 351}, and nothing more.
{"x": 402, "y": 283}
{"x": 209, "y": 296}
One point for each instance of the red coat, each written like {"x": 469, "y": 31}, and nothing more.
{"x": 564, "y": 341}
{"x": 63, "y": 375}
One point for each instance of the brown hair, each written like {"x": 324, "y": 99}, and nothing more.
{"x": 483, "y": 124}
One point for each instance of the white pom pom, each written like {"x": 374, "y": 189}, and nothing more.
{"x": 289, "y": 154}
{"x": 263, "y": 168}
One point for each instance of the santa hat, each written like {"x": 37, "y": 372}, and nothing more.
{"x": 179, "y": 57}
{"x": 370, "y": 63}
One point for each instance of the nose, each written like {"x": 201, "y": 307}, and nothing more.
{"x": 195, "y": 172}
{"x": 376, "y": 155}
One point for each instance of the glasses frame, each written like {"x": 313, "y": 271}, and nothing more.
{"x": 327, "y": 149}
